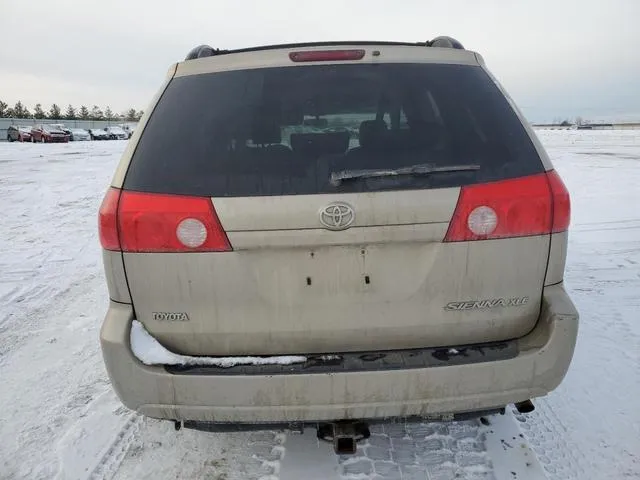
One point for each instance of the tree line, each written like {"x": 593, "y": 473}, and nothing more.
{"x": 19, "y": 110}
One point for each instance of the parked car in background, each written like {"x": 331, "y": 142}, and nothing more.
{"x": 128, "y": 128}
{"x": 116, "y": 133}
{"x": 18, "y": 133}
{"x": 48, "y": 134}
{"x": 79, "y": 134}
{"x": 98, "y": 134}
{"x": 61, "y": 126}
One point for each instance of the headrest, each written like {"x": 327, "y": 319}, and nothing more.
{"x": 372, "y": 133}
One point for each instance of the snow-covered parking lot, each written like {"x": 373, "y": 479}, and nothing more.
{"x": 60, "y": 419}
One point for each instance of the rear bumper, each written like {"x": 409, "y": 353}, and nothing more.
{"x": 540, "y": 365}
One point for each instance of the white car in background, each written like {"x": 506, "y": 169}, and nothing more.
{"x": 79, "y": 134}
{"x": 116, "y": 133}
{"x": 129, "y": 129}
{"x": 98, "y": 134}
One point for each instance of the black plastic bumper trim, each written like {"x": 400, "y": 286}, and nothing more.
{"x": 298, "y": 426}
{"x": 368, "y": 361}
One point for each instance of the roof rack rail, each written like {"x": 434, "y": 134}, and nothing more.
{"x": 445, "y": 42}
{"x": 202, "y": 51}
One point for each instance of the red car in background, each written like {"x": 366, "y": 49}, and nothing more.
{"x": 18, "y": 133}
{"x": 48, "y": 134}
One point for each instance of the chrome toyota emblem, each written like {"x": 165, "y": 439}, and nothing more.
{"x": 337, "y": 216}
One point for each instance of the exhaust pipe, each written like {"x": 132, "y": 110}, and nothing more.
{"x": 344, "y": 435}
{"x": 525, "y": 407}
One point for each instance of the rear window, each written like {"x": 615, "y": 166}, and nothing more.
{"x": 284, "y": 131}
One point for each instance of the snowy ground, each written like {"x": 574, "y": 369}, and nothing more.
{"x": 59, "y": 418}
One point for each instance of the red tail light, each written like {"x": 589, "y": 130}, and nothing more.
{"x": 561, "y": 203}
{"x": 148, "y": 222}
{"x": 326, "y": 55}
{"x": 108, "y": 220}
{"x": 534, "y": 205}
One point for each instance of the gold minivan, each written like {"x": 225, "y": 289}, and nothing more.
{"x": 338, "y": 231}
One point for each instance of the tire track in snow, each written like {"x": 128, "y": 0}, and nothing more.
{"x": 116, "y": 452}
{"x": 49, "y": 377}
{"x": 53, "y": 297}
{"x": 415, "y": 450}
{"x": 465, "y": 450}
{"x": 159, "y": 451}
{"x": 95, "y": 444}
{"x": 549, "y": 438}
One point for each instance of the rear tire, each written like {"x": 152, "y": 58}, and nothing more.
{"x": 9, "y": 139}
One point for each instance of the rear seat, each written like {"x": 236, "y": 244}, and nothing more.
{"x": 377, "y": 142}
{"x": 372, "y": 135}
{"x": 373, "y": 138}
{"x": 268, "y": 137}
{"x": 266, "y": 149}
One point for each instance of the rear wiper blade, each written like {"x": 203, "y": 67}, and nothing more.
{"x": 337, "y": 178}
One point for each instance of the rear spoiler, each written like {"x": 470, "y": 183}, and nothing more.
{"x": 202, "y": 51}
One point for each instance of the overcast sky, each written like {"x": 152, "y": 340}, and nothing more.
{"x": 557, "y": 58}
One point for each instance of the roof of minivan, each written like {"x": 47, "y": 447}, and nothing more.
{"x": 269, "y": 56}
{"x": 338, "y": 43}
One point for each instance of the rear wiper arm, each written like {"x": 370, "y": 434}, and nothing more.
{"x": 337, "y": 178}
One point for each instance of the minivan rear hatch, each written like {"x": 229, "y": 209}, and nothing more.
{"x": 320, "y": 207}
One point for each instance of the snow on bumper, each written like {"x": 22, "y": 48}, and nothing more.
{"x": 150, "y": 352}
{"x": 543, "y": 359}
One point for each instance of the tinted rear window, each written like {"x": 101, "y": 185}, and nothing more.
{"x": 283, "y": 131}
